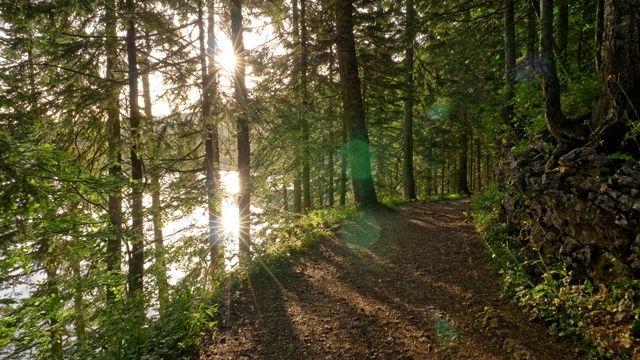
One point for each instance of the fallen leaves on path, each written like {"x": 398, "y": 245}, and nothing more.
{"x": 405, "y": 284}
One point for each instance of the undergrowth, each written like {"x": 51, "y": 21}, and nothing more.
{"x": 445, "y": 197}
{"x": 286, "y": 234}
{"x": 602, "y": 314}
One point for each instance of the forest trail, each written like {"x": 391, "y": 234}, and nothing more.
{"x": 405, "y": 284}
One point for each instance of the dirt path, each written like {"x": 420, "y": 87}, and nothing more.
{"x": 404, "y": 284}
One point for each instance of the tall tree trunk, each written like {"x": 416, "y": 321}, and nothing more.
{"x": 532, "y": 35}
{"x": 472, "y": 162}
{"x": 212, "y": 156}
{"x": 353, "y": 107}
{"x": 506, "y": 111}
{"x": 285, "y": 196}
{"x": 332, "y": 136}
{"x": 136, "y": 259}
{"x": 156, "y": 202}
{"x": 242, "y": 123}
{"x": 431, "y": 176}
{"x": 563, "y": 29}
{"x": 80, "y": 323}
{"x": 297, "y": 181}
{"x": 599, "y": 33}
{"x": 330, "y": 175}
{"x": 53, "y": 292}
{"x": 343, "y": 165}
{"x": 408, "y": 179}
{"x": 619, "y": 103}
{"x": 443, "y": 169}
{"x": 306, "y": 169}
{"x": 297, "y": 193}
{"x": 462, "y": 181}
{"x": 114, "y": 241}
{"x": 555, "y": 119}
{"x": 478, "y": 165}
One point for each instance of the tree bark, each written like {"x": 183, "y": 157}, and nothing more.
{"x": 330, "y": 176}
{"x": 114, "y": 155}
{"x": 297, "y": 181}
{"x": 212, "y": 155}
{"x": 55, "y": 333}
{"x": 136, "y": 259}
{"x": 297, "y": 193}
{"x": 343, "y": 166}
{"x": 506, "y": 111}
{"x": 563, "y": 29}
{"x": 285, "y": 196}
{"x": 353, "y": 107}
{"x": 462, "y": 171}
{"x": 156, "y": 201}
{"x": 599, "y": 32}
{"x": 304, "y": 122}
{"x": 80, "y": 322}
{"x": 408, "y": 179}
{"x": 619, "y": 102}
{"x": 478, "y": 165}
{"x": 242, "y": 124}
{"x": 532, "y": 35}
{"x": 554, "y": 117}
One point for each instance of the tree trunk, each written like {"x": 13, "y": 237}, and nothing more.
{"x": 353, "y": 107}
{"x": 462, "y": 181}
{"x": 80, "y": 322}
{"x": 212, "y": 155}
{"x": 136, "y": 259}
{"x": 478, "y": 166}
{"x": 506, "y": 111}
{"x": 297, "y": 193}
{"x": 242, "y": 123}
{"x": 343, "y": 166}
{"x": 285, "y": 196}
{"x": 599, "y": 33}
{"x": 304, "y": 122}
{"x": 114, "y": 241}
{"x": 53, "y": 292}
{"x": 532, "y": 35}
{"x": 443, "y": 172}
{"x": 156, "y": 201}
{"x": 619, "y": 102}
{"x": 563, "y": 29}
{"x": 297, "y": 182}
{"x": 555, "y": 119}
{"x": 330, "y": 176}
{"x": 408, "y": 179}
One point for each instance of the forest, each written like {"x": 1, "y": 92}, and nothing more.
{"x": 155, "y": 153}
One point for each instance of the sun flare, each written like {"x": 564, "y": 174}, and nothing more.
{"x": 227, "y": 61}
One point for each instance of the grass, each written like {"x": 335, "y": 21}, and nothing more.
{"x": 286, "y": 235}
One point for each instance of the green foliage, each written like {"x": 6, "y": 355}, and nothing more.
{"x": 391, "y": 201}
{"x": 604, "y": 314}
{"x": 487, "y": 208}
{"x": 286, "y": 234}
{"x": 176, "y": 333}
{"x": 446, "y": 197}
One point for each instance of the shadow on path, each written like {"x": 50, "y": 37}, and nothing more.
{"x": 404, "y": 284}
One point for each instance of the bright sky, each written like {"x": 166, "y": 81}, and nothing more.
{"x": 256, "y": 33}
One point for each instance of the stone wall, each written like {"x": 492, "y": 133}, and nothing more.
{"x": 585, "y": 213}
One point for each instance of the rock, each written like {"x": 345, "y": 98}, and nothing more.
{"x": 573, "y": 214}
{"x": 584, "y": 158}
